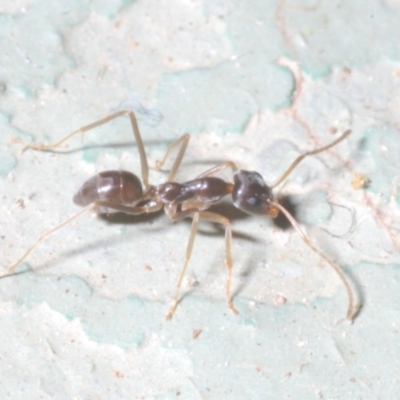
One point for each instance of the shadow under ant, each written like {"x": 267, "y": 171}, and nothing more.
{"x": 281, "y": 221}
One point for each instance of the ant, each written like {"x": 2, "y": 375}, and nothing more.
{"x": 122, "y": 191}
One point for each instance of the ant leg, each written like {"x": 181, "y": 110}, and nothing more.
{"x": 11, "y": 269}
{"x": 183, "y": 142}
{"x": 309, "y": 153}
{"x": 131, "y": 210}
{"x": 218, "y": 168}
{"x": 127, "y": 210}
{"x": 351, "y": 311}
{"x": 142, "y": 154}
{"x": 219, "y": 219}
{"x": 195, "y": 222}
{"x": 210, "y": 217}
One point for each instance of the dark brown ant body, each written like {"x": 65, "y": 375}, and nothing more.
{"x": 122, "y": 191}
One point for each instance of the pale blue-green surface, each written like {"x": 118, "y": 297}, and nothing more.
{"x": 255, "y": 82}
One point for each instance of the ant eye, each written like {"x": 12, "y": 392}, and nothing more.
{"x": 253, "y": 202}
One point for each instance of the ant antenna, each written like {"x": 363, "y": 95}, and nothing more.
{"x": 351, "y": 311}
{"x": 301, "y": 157}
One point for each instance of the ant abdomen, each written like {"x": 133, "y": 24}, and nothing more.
{"x": 118, "y": 187}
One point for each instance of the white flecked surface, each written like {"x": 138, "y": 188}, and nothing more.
{"x": 256, "y": 84}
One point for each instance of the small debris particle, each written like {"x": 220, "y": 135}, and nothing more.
{"x": 360, "y": 181}
{"x": 20, "y": 203}
{"x": 279, "y": 299}
{"x": 196, "y": 333}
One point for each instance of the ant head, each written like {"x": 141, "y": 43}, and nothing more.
{"x": 252, "y": 195}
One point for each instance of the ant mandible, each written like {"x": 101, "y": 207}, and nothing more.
{"x": 122, "y": 191}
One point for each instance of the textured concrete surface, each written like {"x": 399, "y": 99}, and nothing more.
{"x": 256, "y": 83}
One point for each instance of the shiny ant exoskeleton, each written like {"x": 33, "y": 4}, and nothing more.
{"x": 122, "y": 191}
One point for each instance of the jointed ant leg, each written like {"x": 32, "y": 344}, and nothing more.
{"x": 127, "y": 210}
{"x": 142, "y": 154}
{"x": 351, "y": 311}
{"x": 183, "y": 142}
{"x": 309, "y": 153}
{"x": 219, "y": 219}
{"x": 218, "y": 168}
{"x": 215, "y": 218}
{"x": 11, "y": 269}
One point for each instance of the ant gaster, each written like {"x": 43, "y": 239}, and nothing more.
{"x": 122, "y": 191}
